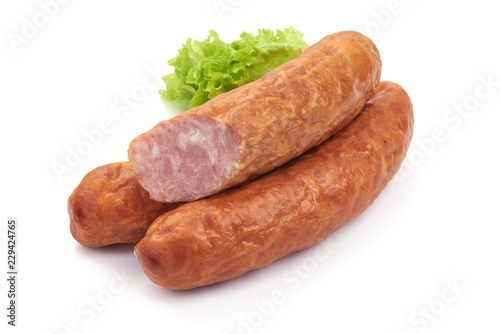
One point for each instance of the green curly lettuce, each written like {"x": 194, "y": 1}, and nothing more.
{"x": 211, "y": 67}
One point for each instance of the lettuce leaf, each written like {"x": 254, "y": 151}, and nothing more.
{"x": 211, "y": 67}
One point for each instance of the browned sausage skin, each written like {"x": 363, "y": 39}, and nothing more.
{"x": 291, "y": 208}
{"x": 109, "y": 206}
{"x": 250, "y": 130}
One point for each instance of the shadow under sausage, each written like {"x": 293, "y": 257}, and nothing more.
{"x": 111, "y": 250}
{"x": 117, "y": 257}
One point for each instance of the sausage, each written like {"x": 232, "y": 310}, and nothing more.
{"x": 109, "y": 206}
{"x": 250, "y": 130}
{"x": 289, "y": 209}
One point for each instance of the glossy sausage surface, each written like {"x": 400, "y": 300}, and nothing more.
{"x": 251, "y": 130}
{"x": 109, "y": 207}
{"x": 293, "y": 207}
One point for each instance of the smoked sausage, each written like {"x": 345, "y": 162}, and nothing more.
{"x": 251, "y": 130}
{"x": 109, "y": 207}
{"x": 293, "y": 207}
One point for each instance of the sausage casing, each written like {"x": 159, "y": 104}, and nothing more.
{"x": 109, "y": 207}
{"x": 291, "y": 208}
{"x": 253, "y": 129}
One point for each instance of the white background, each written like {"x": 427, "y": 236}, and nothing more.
{"x": 391, "y": 267}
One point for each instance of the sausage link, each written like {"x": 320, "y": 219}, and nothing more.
{"x": 291, "y": 208}
{"x": 109, "y": 207}
{"x": 252, "y": 129}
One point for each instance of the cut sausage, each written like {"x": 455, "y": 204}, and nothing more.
{"x": 109, "y": 207}
{"x": 251, "y": 130}
{"x": 291, "y": 208}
